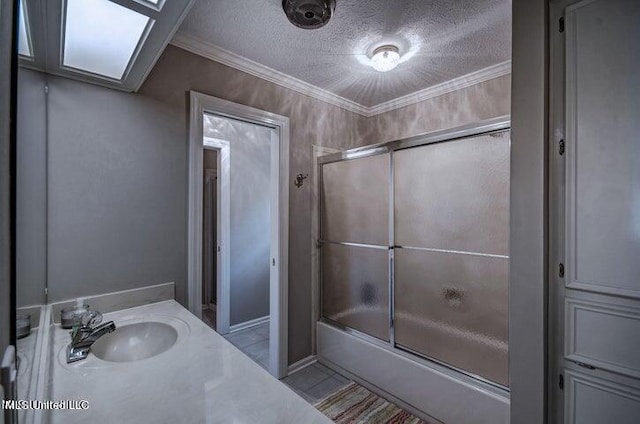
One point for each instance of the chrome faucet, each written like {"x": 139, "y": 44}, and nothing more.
{"x": 84, "y": 335}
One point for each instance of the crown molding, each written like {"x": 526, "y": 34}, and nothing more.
{"x": 210, "y": 51}
{"x": 218, "y": 54}
{"x": 455, "y": 84}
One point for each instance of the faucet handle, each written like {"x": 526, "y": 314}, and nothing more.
{"x": 87, "y": 321}
{"x": 91, "y": 318}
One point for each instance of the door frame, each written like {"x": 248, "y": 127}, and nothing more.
{"x": 278, "y": 282}
{"x": 213, "y": 197}
{"x": 223, "y": 235}
{"x": 556, "y": 218}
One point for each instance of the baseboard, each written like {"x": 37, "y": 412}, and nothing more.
{"x": 248, "y": 324}
{"x": 303, "y": 363}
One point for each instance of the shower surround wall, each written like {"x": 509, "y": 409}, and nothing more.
{"x": 115, "y": 149}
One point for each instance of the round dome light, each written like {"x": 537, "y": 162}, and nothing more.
{"x": 385, "y": 58}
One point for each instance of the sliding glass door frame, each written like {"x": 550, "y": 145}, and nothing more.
{"x": 496, "y": 125}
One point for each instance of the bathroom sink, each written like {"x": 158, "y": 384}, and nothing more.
{"x": 134, "y": 342}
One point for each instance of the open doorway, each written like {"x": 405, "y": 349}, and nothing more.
{"x": 209, "y": 236}
{"x": 238, "y": 226}
{"x": 249, "y": 242}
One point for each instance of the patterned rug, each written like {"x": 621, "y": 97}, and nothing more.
{"x": 354, "y": 404}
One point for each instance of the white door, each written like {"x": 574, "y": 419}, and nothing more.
{"x": 599, "y": 315}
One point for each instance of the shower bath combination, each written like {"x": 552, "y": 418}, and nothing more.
{"x": 414, "y": 247}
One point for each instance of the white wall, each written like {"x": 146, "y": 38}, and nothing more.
{"x": 116, "y": 194}
{"x": 250, "y": 217}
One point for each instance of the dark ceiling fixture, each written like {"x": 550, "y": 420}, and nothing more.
{"x": 309, "y": 14}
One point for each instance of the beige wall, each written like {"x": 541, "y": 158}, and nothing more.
{"x": 481, "y": 101}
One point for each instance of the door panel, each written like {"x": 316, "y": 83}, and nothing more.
{"x": 601, "y": 328}
{"x": 453, "y": 308}
{"x": 355, "y": 200}
{"x": 454, "y": 195}
{"x": 603, "y": 163}
{"x": 592, "y": 400}
{"x": 355, "y": 290}
{"x": 604, "y": 334}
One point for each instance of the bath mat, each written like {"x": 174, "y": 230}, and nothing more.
{"x": 353, "y": 404}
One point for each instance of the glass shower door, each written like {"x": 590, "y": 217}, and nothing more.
{"x": 451, "y": 217}
{"x": 355, "y": 244}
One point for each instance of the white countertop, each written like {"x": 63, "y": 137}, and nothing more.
{"x": 201, "y": 379}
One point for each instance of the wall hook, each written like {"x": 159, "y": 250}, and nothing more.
{"x": 300, "y": 179}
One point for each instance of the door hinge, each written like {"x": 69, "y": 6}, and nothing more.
{"x": 561, "y": 270}
{"x": 561, "y": 25}
{"x": 561, "y": 147}
{"x": 273, "y": 261}
{"x": 218, "y": 249}
{"x": 46, "y": 89}
{"x": 561, "y": 381}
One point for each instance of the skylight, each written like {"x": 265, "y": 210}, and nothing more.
{"x": 101, "y": 36}
{"x": 24, "y": 41}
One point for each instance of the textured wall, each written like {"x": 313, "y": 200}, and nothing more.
{"x": 312, "y": 122}
{"x": 481, "y": 101}
{"x": 117, "y": 199}
{"x": 31, "y": 190}
{"x": 250, "y": 234}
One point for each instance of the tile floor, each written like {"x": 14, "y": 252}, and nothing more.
{"x": 315, "y": 382}
{"x": 254, "y": 342}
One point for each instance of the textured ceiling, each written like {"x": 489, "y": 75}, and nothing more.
{"x": 439, "y": 40}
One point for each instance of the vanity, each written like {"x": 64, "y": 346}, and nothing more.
{"x": 161, "y": 365}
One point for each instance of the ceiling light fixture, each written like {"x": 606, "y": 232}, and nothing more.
{"x": 385, "y": 58}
